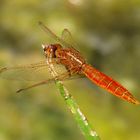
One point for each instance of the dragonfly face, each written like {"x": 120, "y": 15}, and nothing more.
{"x": 50, "y": 50}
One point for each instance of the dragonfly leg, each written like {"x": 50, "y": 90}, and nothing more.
{"x": 35, "y": 85}
{"x": 60, "y": 77}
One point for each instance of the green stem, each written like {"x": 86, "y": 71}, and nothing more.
{"x": 78, "y": 115}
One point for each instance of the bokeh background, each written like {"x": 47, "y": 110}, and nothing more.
{"x": 108, "y": 35}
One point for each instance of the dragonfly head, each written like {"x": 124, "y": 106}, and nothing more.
{"x": 50, "y": 50}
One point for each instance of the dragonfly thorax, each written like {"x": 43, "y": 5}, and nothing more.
{"x": 71, "y": 59}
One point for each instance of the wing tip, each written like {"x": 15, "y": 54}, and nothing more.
{"x": 19, "y": 90}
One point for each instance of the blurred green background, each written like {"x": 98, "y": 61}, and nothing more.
{"x": 108, "y": 35}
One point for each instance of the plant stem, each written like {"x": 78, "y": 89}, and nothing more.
{"x": 78, "y": 115}
{"x": 73, "y": 106}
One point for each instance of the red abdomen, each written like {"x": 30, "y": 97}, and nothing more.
{"x": 108, "y": 83}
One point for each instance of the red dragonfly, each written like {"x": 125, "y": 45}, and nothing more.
{"x": 66, "y": 57}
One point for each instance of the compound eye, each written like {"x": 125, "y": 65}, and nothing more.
{"x": 49, "y": 50}
{"x": 45, "y": 47}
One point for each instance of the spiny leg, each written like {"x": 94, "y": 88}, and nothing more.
{"x": 35, "y": 85}
{"x": 60, "y": 77}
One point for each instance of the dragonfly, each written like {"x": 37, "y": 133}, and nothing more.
{"x": 69, "y": 63}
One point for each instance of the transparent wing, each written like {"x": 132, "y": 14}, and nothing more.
{"x": 62, "y": 77}
{"x": 30, "y": 72}
{"x": 67, "y": 37}
{"x": 54, "y": 36}
{"x": 34, "y": 72}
